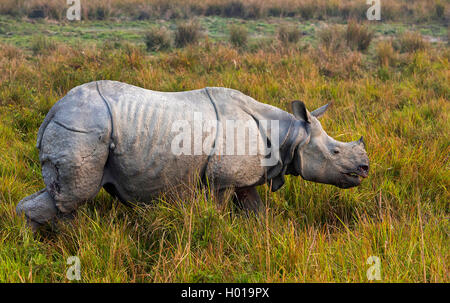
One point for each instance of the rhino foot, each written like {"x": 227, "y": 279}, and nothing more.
{"x": 39, "y": 208}
{"x": 248, "y": 199}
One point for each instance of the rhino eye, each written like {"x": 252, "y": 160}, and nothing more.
{"x": 335, "y": 152}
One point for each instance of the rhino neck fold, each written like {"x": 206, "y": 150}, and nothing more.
{"x": 214, "y": 145}
{"x": 296, "y": 136}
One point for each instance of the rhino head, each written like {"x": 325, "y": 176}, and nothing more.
{"x": 325, "y": 160}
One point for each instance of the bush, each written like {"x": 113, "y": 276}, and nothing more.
{"x": 385, "y": 53}
{"x": 358, "y": 36}
{"x": 332, "y": 38}
{"x": 187, "y": 33}
{"x": 238, "y": 35}
{"x": 411, "y": 42}
{"x": 38, "y": 12}
{"x": 157, "y": 39}
{"x": 289, "y": 34}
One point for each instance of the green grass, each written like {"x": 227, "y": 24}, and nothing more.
{"x": 20, "y": 32}
{"x": 310, "y": 232}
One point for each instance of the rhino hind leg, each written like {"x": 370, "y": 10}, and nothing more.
{"x": 72, "y": 169}
{"x": 73, "y": 165}
{"x": 248, "y": 199}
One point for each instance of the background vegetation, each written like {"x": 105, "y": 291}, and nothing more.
{"x": 389, "y": 81}
{"x": 399, "y": 10}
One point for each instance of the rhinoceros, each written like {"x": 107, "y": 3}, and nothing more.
{"x": 124, "y": 138}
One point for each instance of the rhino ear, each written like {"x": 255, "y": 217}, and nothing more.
{"x": 299, "y": 111}
{"x": 361, "y": 142}
{"x": 320, "y": 111}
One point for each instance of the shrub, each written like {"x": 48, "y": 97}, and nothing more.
{"x": 289, "y": 34}
{"x": 187, "y": 33}
{"x": 238, "y": 35}
{"x": 385, "y": 53}
{"x": 38, "y": 12}
{"x": 332, "y": 38}
{"x": 411, "y": 42}
{"x": 358, "y": 36}
{"x": 157, "y": 39}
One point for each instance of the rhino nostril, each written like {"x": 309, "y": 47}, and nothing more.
{"x": 364, "y": 168}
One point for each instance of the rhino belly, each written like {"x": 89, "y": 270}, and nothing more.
{"x": 144, "y": 182}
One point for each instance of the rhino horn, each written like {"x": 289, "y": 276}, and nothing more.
{"x": 320, "y": 111}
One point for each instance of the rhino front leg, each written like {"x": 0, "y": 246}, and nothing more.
{"x": 248, "y": 199}
{"x": 39, "y": 208}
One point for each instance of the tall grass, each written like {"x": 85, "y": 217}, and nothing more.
{"x": 288, "y": 34}
{"x": 358, "y": 36}
{"x": 334, "y": 56}
{"x": 41, "y": 44}
{"x": 310, "y": 232}
{"x": 238, "y": 35}
{"x": 187, "y": 33}
{"x": 386, "y": 54}
{"x": 401, "y": 10}
{"x": 157, "y": 39}
{"x": 411, "y": 42}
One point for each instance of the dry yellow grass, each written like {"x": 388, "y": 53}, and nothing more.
{"x": 310, "y": 232}
{"x": 418, "y": 10}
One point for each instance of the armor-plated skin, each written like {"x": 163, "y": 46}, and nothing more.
{"x": 118, "y": 136}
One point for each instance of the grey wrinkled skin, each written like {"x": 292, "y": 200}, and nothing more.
{"x": 118, "y": 136}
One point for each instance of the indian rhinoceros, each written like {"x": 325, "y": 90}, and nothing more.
{"x": 124, "y": 138}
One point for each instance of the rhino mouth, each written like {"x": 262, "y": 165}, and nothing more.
{"x": 351, "y": 179}
{"x": 357, "y": 174}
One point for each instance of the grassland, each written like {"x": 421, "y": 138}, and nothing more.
{"x": 399, "y": 10}
{"x": 16, "y": 32}
{"x": 397, "y": 97}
